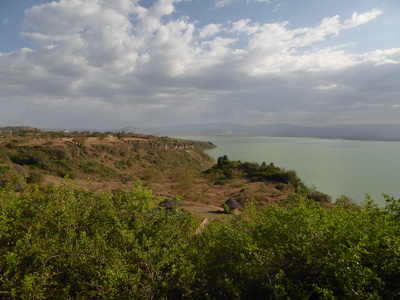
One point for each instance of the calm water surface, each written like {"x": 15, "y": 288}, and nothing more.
{"x": 335, "y": 167}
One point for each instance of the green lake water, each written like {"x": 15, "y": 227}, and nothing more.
{"x": 335, "y": 167}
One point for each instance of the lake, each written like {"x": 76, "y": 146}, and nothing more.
{"x": 335, "y": 167}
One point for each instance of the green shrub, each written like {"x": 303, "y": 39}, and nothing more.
{"x": 227, "y": 169}
{"x": 319, "y": 197}
{"x": 302, "y": 250}
{"x": 64, "y": 243}
{"x": 10, "y": 179}
{"x": 280, "y": 186}
{"x": 346, "y": 202}
{"x": 125, "y": 178}
{"x": 35, "y": 176}
{"x": 93, "y": 167}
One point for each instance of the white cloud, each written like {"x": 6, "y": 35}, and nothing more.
{"x": 136, "y": 64}
{"x": 259, "y": 1}
{"x": 278, "y": 7}
{"x": 244, "y": 26}
{"x": 4, "y": 21}
{"x": 382, "y": 57}
{"x": 210, "y": 30}
{"x": 222, "y": 3}
{"x": 327, "y": 86}
{"x": 358, "y": 19}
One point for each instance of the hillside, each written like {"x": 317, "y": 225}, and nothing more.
{"x": 18, "y": 129}
{"x": 171, "y": 167}
{"x": 102, "y": 156}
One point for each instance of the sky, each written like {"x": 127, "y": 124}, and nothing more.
{"x": 106, "y": 64}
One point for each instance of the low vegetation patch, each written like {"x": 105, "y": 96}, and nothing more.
{"x": 226, "y": 169}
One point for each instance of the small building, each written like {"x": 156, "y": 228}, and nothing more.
{"x": 170, "y": 204}
{"x": 19, "y": 169}
{"x": 230, "y": 206}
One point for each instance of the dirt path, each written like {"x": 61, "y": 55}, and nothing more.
{"x": 203, "y": 211}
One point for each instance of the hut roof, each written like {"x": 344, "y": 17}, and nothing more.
{"x": 231, "y": 203}
{"x": 169, "y": 204}
{"x": 19, "y": 169}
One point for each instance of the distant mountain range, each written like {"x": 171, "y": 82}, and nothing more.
{"x": 382, "y": 132}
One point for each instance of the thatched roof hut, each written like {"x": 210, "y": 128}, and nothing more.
{"x": 19, "y": 169}
{"x": 170, "y": 204}
{"x": 230, "y": 205}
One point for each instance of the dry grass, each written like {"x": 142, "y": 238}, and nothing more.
{"x": 199, "y": 195}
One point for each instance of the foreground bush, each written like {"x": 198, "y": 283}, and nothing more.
{"x": 65, "y": 243}
{"x": 304, "y": 250}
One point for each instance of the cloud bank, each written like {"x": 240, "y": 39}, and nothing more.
{"x": 104, "y": 64}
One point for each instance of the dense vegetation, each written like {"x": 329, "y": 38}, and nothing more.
{"x": 63, "y": 242}
{"x": 60, "y": 242}
{"x": 226, "y": 169}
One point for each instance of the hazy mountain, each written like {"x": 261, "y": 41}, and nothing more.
{"x": 362, "y": 132}
{"x": 17, "y": 128}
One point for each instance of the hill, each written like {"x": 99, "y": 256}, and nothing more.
{"x": 18, "y": 129}
{"x": 101, "y": 156}
{"x": 172, "y": 167}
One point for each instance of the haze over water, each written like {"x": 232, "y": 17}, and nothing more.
{"x": 335, "y": 167}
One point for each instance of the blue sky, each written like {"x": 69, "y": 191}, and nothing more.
{"x": 115, "y": 63}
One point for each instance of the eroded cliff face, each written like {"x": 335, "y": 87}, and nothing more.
{"x": 114, "y": 146}
{"x": 107, "y": 157}
{"x": 180, "y": 145}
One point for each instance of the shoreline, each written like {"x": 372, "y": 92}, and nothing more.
{"x": 288, "y": 136}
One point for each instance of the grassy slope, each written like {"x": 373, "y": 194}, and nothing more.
{"x": 169, "y": 167}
